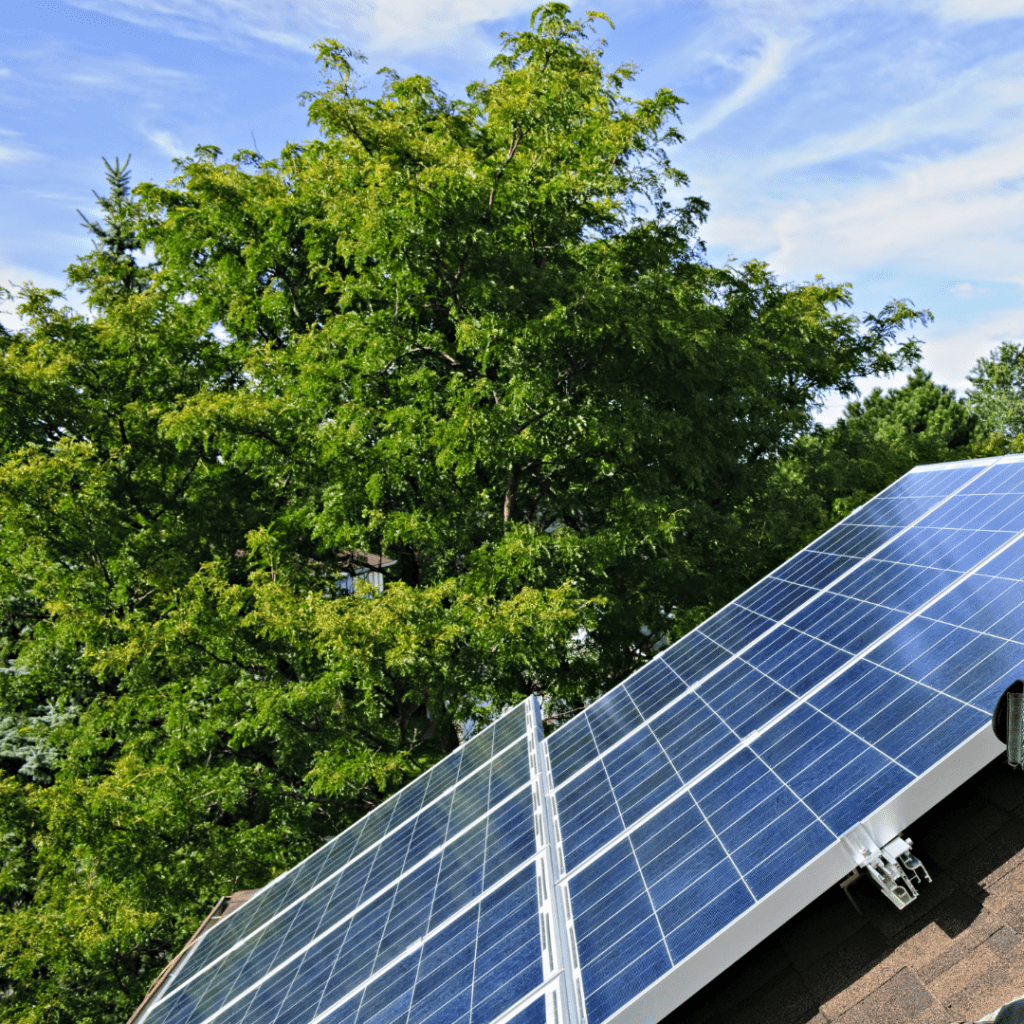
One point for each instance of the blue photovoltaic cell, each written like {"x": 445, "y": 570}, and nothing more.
{"x": 347, "y": 913}
{"x": 535, "y": 1013}
{"x": 476, "y": 967}
{"x": 864, "y": 661}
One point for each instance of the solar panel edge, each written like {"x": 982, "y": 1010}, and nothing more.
{"x": 769, "y": 913}
{"x": 935, "y": 466}
{"x": 816, "y": 595}
{"x": 565, "y": 964}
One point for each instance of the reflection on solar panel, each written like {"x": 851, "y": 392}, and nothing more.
{"x": 608, "y": 872}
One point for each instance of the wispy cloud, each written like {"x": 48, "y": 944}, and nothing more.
{"x": 14, "y": 275}
{"x": 966, "y": 290}
{"x": 976, "y": 10}
{"x": 166, "y": 142}
{"x": 950, "y": 11}
{"x": 402, "y": 26}
{"x": 128, "y": 74}
{"x": 759, "y": 72}
{"x": 915, "y": 215}
{"x": 953, "y": 349}
{"x": 10, "y": 153}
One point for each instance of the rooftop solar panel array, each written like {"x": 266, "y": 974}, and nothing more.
{"x": 427, "y": 909}
{"x": 606, "y": 872}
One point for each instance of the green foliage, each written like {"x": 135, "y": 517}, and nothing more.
{"x": 997, "y": 394}
{"x": 921, "y": 417}
{"x": 828, "y": 472}
{"x": 473, "y": 335}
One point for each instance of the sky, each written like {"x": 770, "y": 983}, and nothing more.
{"x": 875, "y": 142}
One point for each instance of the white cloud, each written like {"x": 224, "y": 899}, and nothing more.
{"x": 403, "y": 26}
{"x": 14, "y": 275}
{"x": 948, "y": 216}
{"x": 953, "y": 350}
{"x": 128, "y": 74}
{"x": 167, "y": 142}
{"x": 950, "y": 11}
{"x": 4, "y": 72}
{"x": 976, "y": 10}
{"x": 13, "y": 154}
{"x": 966, "y": 290}
{"x": 759, "y": 73}
{"x": 980, "y": 101}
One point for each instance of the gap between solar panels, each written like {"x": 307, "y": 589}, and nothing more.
{"x": 607, "y": 872}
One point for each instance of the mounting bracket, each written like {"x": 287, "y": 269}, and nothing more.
{"x": 894, "y": 868}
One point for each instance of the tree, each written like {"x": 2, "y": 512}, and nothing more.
{"x": 997, "y": 394}
{"x": 473, "y": 335}
{"x": 828, "y": 472}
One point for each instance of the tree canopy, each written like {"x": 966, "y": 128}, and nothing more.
{"x": 996, "y": 396}
{"x": 478, "y": 336}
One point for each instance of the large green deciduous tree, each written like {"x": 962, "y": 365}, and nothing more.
{"x": 478, "y": 336}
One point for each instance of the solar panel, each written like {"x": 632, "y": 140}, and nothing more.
{"x": 839, "y": 697}
{"x": 606, "y": 873}
{"x": 426, "y": 910}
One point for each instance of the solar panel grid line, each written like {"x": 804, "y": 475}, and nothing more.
{"x": 781, "y": 784}
{"x": 862, "y": 655}
{"x": 446, "y": 922}
{"x": 739, "y": 937}
{"x": 756, "y": 924}
{"x": 878, "y": 642}
{"x": 366, "y": 852}
{"x": 814, "y": 596}
{"x": 408, "y": 872}
{"x": 364, "y": 899}
{"x": 418, "y": 944}
{"x": 221, "y": 929}
{"x": 745, "y": 742}
{"x": 882, "y": 639}
{"x": 472, "y": 987}
{"x": 684, "y": 790}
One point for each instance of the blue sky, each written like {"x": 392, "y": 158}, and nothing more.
{"x": 880, "y": 143}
